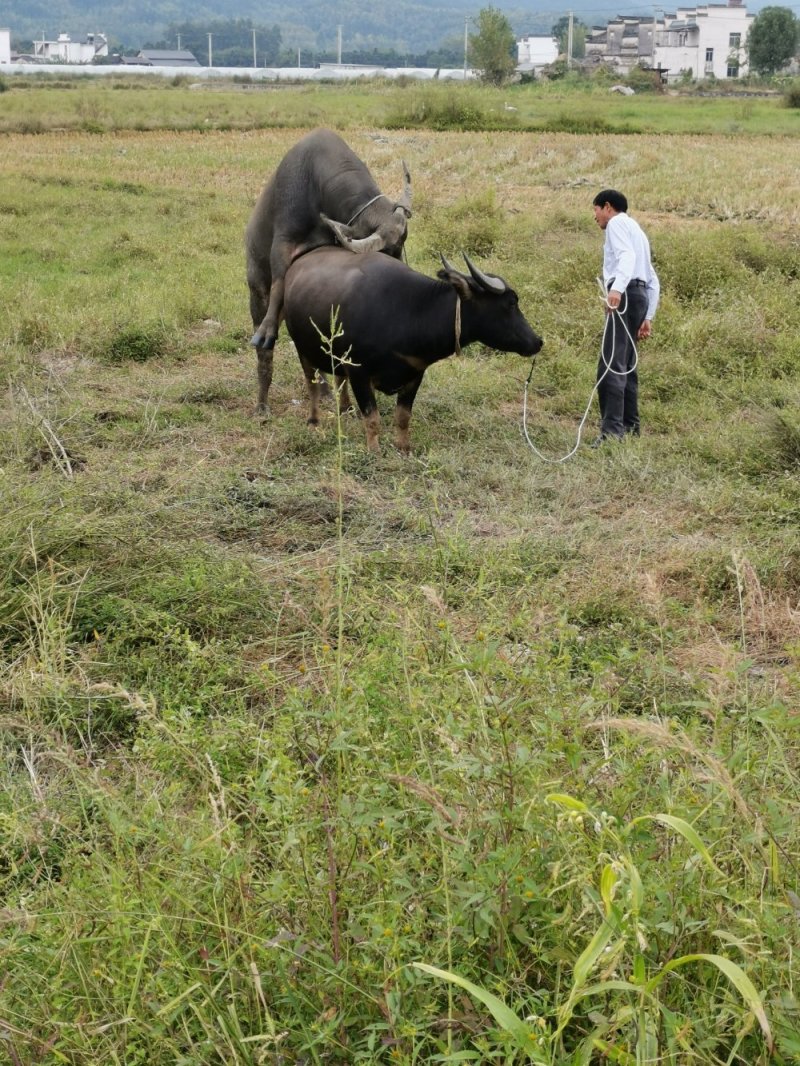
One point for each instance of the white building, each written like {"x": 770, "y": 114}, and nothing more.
{"x": 706, "y": 40}
{"x": 65, "y": 50}
{"x": 5, "y": 46}
{"x": 534, "y": 53}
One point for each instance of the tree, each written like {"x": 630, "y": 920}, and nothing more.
{"x": 492, "y": 47}
{"x": 772, "y": 40}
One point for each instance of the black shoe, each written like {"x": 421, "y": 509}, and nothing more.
{"x": 600, "y": 441}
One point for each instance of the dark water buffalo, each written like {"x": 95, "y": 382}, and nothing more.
{"x": 394, "y": 324}
{"x": 320, "y": 193}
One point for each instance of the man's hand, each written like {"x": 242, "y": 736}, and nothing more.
{"x": 645, "y": 330}
{"x": 613, "y": 299}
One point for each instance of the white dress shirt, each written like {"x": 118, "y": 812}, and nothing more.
{"x": 626, "y": 257}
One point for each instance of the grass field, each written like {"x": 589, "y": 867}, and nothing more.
{"x": 281, "y": 719}
{"x": 139, "y": 102}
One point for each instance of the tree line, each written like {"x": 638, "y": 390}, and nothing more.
{"x": 772, "y": 42}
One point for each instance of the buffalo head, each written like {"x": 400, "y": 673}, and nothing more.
{"x": 380, "y": 225}
{"x": 492, "y": 307}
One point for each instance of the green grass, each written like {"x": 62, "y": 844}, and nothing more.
{"x": 280, "y": 719}
{"x": 35, "y": 104}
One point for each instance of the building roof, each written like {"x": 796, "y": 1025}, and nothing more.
{"x": 158, "y": 57}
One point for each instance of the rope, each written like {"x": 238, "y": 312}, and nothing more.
{"x": 364, "y": 208}
{"x": 612, "y": 316}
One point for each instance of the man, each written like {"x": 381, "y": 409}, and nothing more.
{"x": 632, "y": 289}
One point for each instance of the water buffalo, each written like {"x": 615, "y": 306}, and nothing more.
{"x": 320, "y": 193}
{"x": 394, "y": 323}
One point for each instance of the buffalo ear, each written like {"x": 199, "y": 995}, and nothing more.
{"x": 459, "y": 282}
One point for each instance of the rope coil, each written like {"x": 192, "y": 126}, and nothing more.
{"x": 612, "y": 315}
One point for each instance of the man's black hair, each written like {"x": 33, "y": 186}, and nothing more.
{"x": 611, "y": 196}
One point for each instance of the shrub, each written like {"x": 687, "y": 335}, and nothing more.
{"x": 791, "y": 98}
{"x": 135, "y": 345}
{"x": 645, "y": 81}
{"x": 578, "y": 124}
{"x": 471, "y": 225}
{"x": 451, "y": 112}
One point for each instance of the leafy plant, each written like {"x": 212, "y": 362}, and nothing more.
{"x": 619, "y": 937}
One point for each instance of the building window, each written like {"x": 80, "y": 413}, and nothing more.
{"x": 735, "y": 40}
{"x": 733, "y": 70}
{"x": 709, "y": 55}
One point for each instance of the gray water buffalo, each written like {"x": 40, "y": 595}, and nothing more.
{"x": 393, "y": 324}
{"x": 320, "y": 194}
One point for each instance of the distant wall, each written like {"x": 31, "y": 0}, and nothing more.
{"x": 5, "y": 46}
{"x": 327, "y": 73}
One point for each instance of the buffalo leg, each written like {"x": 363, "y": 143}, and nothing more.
{"x": 345, "y": 403}
{"x": 365, "y": 398}
{"x": 264, "y": 378}
{"x": 259, "y": 303}
{"x": 267, "y": 332}
{"x": 312, "y": 380}
{"x": 402, "y": 414}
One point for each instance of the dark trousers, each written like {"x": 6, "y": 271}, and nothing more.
{"x": 618, "y": 391}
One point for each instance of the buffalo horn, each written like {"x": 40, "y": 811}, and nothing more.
{"x": 405, "y": 200}
{"x": 364, "y": 244}
{"x": 487, "y": 281}
{"x": 451, "y": 269}
{"x": 373, "y": 243}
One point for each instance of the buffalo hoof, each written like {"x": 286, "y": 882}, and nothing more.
{"x": 262, "y": 411}
{"x": 262, "y": 343}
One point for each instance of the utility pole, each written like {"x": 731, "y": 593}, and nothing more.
{"x": 339, "y": 45}
{"x": 569, "y": 41}
{"x": 179, "y": 42}
{"x": 209, "y": 50}
{"x": 655, "y": 28}
{"x": 466, "y": 42}
{"x": 255, "y": 62}
{"x": 298, "y": 58}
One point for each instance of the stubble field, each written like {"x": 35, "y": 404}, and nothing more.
{"x": 280, "y": 719}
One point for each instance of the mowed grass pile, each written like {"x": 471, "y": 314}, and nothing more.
{"x": 281, "y": 719}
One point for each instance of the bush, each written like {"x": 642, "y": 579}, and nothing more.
{"x": 452, "y": 112}
{"x": 578, "y": 124}
{"x": 791, "y": 98}
{"x": 470, "y": 225}
{"x": 645, "y": 81}
{"x": 136, "y": 345}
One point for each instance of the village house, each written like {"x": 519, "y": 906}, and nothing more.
{"x": 65, "y": 50}
{"x": 704, "y": 41}
{"x": 535, "y": 53}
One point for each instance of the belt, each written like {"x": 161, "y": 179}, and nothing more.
{"x": 637, "y": 283}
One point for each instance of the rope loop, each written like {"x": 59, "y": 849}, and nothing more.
{"x": 361, "y": 210}
{"x": 611, "y": 317}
